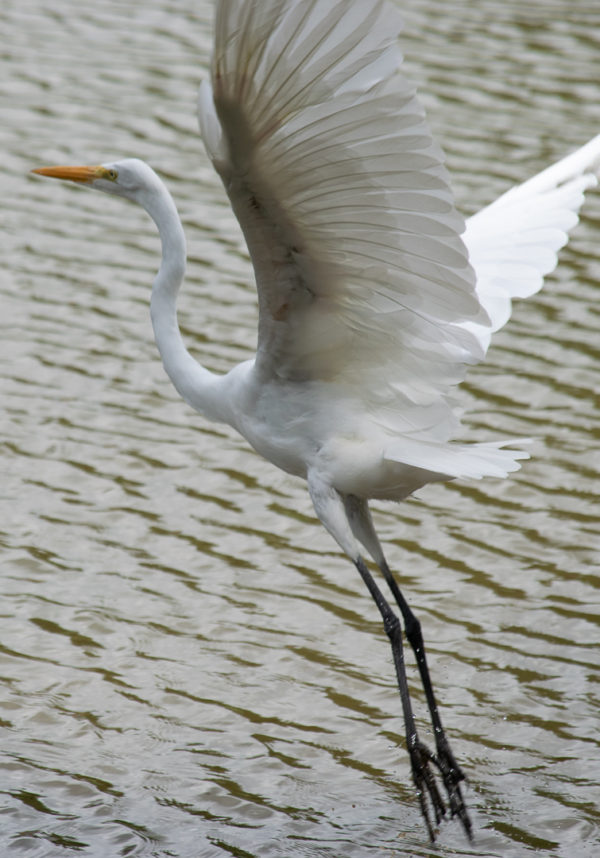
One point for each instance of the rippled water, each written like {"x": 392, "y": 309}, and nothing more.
{"x": 188, "y": 666}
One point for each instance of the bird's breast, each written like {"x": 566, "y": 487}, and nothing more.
{"x": 306, "y": 426}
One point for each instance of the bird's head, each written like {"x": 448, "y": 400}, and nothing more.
{"x": 129, "y": 178}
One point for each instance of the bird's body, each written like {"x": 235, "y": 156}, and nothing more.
{"x": 373, "y": 298}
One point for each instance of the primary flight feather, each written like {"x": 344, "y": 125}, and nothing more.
{"x": 374, "y": 298}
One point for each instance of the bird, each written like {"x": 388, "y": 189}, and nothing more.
{"x": 375, "y": 296}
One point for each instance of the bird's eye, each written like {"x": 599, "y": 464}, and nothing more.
{"x": 112, "y": 175}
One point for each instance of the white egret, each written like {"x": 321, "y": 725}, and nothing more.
{"x": 372, "y": 300}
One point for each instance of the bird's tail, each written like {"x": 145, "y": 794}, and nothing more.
{"x": 453, "y": 460}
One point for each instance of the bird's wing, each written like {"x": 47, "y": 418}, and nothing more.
{"x": 513, "y": 242}
{"x": 343, "y": 199}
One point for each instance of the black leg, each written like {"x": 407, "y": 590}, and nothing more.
{"x": 420, "y": 755}
{"x": 450, "y": 771}
{"x": 347, "y": 518}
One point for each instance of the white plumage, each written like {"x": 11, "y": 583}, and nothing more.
{"x": 373, "y": 298}
{"x": 367, "y": 291}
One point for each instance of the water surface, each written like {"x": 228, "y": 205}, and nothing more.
{"x": 189, "y": 667}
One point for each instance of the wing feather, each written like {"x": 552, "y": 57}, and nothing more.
{"x": 343, "y": 199}
{"x": 362, "y": 275}
{"x": 513, "y": 243}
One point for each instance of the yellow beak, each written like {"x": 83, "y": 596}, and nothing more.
{"x": 83, "y": 175}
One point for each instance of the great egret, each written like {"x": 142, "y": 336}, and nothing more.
{"x": 371, "y": 304}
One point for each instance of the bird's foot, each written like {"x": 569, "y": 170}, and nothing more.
{"x": 424, "y": 779}
{"x": 452, "y": 775}
{"x": 425, "y": 782}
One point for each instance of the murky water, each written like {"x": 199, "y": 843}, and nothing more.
{"x": 189, "y": 667}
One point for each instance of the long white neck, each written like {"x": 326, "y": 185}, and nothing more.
{"x": 199, "y": 387}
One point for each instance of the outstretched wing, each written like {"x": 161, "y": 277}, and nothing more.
{"x": 513, "y": 242}
{"x": 340, "y": 190}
